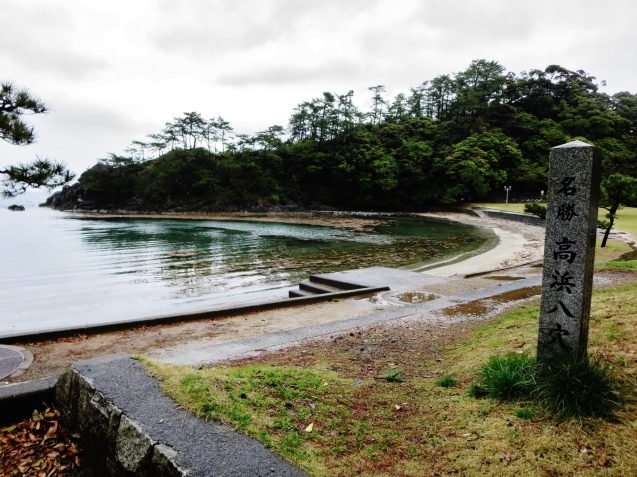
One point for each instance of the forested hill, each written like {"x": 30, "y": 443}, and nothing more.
{"x": 453, "y": 138}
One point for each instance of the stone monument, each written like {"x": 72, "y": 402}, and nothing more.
{"x": 569, "y": 249}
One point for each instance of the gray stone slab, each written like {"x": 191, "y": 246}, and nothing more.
{"x": 199, "y": 447}
{"x": 569, "y": 249}
{"x": 10, "y": 361}
{"x": 382, "y": 276}
{"x": 255, "y": 344}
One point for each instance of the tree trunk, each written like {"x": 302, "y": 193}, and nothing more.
{"x": 611, "y": 217}
{"x": 610, "y": 226}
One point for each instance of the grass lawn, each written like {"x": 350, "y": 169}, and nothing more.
{"x": 335, "y": 410}
{"x": 626, "y": 221}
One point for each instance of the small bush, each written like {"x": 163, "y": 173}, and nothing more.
{"x": 507, "y": 377}
{"x": 603, "y": 224}
{"x": 447, "y": 382}
{"x": 534, "y": 208}
{"x": 574, "y": 386}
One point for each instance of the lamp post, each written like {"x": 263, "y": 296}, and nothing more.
{"x": 507, "y": 188}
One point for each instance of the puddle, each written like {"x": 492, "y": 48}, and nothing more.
{"x": 503, "y": 278}
{"x": 481, "y": 307}
{"x": 415, "y": 297}
{"x": 473, "y": 308}
{"x": 520, "y": 294}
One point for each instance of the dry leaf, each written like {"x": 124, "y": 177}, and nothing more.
{"x": 507, "y": 457}
{"x": 398, "y": 408}
{"x": 603, "y": 460}
{"x": 310, "y": 427}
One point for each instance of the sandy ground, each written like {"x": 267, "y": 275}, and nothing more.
{"x": 518, "y": 244}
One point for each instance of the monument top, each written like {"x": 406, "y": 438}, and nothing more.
{"x": 573, "y": 144}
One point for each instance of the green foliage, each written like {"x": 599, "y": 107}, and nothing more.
{"x": 507, "y": 377}
{"x": 393, "y": 375}
{"x": 42, "y": 172}
{"x": 616, "y": 190}
{"x": 566, "y": 386}
{"x": 525, "y": 413}
{"x": 446, "y": 382}
{"x": 454, "y": 138}
{"x": 15, "y": 102}
{"x": 39, "y": 173}
{"x": 535, "y": 209}
{"x": 574, "y": 386}
{"x": 603, "y": 224}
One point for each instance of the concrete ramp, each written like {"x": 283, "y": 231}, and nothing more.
{"x": 373, "y": 277}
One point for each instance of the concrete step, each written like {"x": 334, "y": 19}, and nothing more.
{"x": 299, "y": 293}
{"x": 337, "y": 284}
{"x": 318, "y": 288}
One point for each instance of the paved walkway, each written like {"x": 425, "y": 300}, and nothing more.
{"x": 245, "y": 347}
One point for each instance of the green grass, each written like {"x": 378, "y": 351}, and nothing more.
{"x": 626, "y": 217}
{"x": 570, "y": 386}
{"x": 525, "y": 413}
{"x": 447, "y": 382}
{"x": 393, "y": 375}
{"x": 366, "y": 426}
{"x": 507, "y": 377}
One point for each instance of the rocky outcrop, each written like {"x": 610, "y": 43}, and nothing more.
{"x": 16, "y": 208}
{"x": 76, "y": 197}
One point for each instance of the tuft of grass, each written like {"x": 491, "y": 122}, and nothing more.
{"x": 525, "y": 413}
{"x": 393, "y": 375}
{"x": 574, "y": 386}
{"x": 507, "y": 377}
{"x": 446, "y": 382}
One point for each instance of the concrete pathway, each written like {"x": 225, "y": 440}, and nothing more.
{"x": 245, "y": 347}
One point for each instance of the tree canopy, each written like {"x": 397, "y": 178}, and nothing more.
{"x": 451, "y": 138}
{"x": 14, "y": 104}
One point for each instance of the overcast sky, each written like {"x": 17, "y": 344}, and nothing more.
{"x": 113, "y": 71}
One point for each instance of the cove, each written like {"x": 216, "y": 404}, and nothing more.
{"x": 58, "y": 272}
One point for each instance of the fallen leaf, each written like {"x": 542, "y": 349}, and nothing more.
{"x": 507, "y": 457}
{"x": 603, "y": 460}
{"x": 398, "y": 408}
{"x": 310, "y": 427}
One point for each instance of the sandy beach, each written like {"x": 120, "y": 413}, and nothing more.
{"x": 518, "y": 244}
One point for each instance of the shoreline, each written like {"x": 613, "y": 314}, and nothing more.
{"x": 517, "y": 243}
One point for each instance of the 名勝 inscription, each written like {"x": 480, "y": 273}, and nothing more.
{"x": 571, "y": 220}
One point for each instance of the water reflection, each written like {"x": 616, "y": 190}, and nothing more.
{"x": 202, "y": 256}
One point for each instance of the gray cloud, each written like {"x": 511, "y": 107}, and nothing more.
{"x": 207, "y": 28}
{"x": 282, "y": 74}
{"x": 41, "y": 38}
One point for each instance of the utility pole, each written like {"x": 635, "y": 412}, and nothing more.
{"x": 507, "y": 188}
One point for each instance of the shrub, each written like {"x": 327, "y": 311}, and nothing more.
{"x": 535, "y": 209}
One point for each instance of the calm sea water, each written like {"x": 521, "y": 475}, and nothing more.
{"x": 59, "y": 272}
